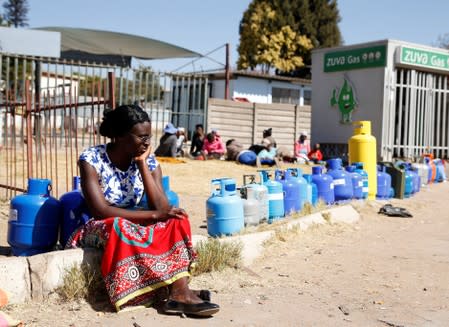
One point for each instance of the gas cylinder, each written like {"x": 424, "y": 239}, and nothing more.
{"x": 342, "y": 180}
{"x": 383, "y": 183}
{"x": 359, "y": 169}
{"x": 290, "y": 187}
{"x": 357, "y": 182}
{"x": 258, "y": 192}
{"x": 172, "y": 197}
{"x": 312, "y": 190}
{"x": 75, "y": 212}
{"x": 251, "y": 207}
{"x": 275, "y": 197}
{"x": 224, "y": 208}
{"x": 416, "y": 178}
{"x": 432, "y": 170}
{"x": 362, "y": 148}
{"x": 297, "y": 174}
{"x": 34, "y": 219}
{"x": 325, "y": 185}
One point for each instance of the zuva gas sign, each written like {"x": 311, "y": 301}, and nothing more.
{"x": 422, "y": 58}
{"x": 359, "y": 58}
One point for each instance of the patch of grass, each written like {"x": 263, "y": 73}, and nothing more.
{"x": 214, "y": 255}
{"x": 283, "y": 234}
{"x": 81, "y": 282}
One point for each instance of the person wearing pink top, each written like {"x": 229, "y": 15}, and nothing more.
{"x": 302, "y": 148}
{"x": 213, "y": 148}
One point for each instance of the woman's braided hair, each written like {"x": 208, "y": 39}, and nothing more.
{"x": 119, "y": 121}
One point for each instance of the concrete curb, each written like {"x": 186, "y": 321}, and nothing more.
{"x": 35, "y": 277}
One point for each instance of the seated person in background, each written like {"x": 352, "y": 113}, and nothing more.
{"x": 167, "y": 144}
{"x": 302, "y": 148}
{"x": 181, "y": 139}
{"x": 213, "y": 148}
{"x": 266, "y": 134}
{"x": 284, "y": 154}
{"x": 147, "y": 253}
{"x": 197, "y": 141}
{"x": 315, "y": 155}
{"x": 215, "y": 132}
{"x": 233, "y": 148}
{"x": 267, "y": 156}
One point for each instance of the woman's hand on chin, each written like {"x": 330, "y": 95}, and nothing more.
{"x": 143, "y": 157}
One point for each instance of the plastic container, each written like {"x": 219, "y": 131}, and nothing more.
{"x": 312, "y": 190}
{"x": 75, "y": 212}
{"x": 291, "y": 188}
{"x": 383, "y": 183}
{"x": 342, "y": 180}
{"x": 172, "y": 197}
{"x": 34, "y": 220}
{"x": 357, "y": 183}
{"x": 251, "y": 207}
{"x": 325, "y": 185}
{"x": 296, "y": 173}
{"x": 362, "y": 148}
{"x": 275, "y": 197}
{"x": 224, "y": 208}
{"x": 258, "y": 192}
{"x": 397, "y": 178}
{"x": 359, "y": 169}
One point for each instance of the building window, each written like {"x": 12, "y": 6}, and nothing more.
{"x": 307, "y": 97}
{"x": 284, "y": 95}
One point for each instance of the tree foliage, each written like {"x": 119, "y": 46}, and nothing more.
{"x": 280, "y": 34}
{"x": 16, "y": 12}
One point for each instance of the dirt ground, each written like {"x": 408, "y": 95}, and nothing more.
{"x": 381, "y": 271}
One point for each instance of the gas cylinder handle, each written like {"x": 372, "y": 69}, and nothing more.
{"x": 251, "y": 177}
{"x": 215, "y": 182}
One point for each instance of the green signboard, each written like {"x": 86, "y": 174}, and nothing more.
{"x": 355, "y": 59}
{"x": 424, "y": 58}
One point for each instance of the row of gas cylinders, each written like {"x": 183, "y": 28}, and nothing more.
{"x": 284, "y": 192}
{"x": 37, "y": 221}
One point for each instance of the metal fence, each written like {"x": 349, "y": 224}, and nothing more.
{"x": 50, "y": 110}
{"x": 417, "y": 116}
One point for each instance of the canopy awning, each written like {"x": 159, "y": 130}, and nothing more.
{"x": 88, "y": 44}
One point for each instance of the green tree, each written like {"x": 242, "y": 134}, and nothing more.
{"x": 277, "y": 33}
{"x": 16, "y": 12}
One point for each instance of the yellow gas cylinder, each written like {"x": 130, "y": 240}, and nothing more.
{"x": 362, "y": 148}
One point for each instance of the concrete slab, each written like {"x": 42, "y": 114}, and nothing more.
{"x": 345, "y": 214}
{"x": 15, "y": 279}
{"x": 47, "y": 270}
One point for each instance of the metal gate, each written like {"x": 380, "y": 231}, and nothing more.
{"x": 50, "y": 110}
{"x": 416, "y": 114}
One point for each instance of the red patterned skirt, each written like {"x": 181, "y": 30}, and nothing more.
{"x": 138, "y": 260}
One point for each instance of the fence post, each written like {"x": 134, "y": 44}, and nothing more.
{"x": 254, "y": 123}
{"x": 296, "y": 123}
{"x": 111, "y": 88}
{"x": 29, "y": 138}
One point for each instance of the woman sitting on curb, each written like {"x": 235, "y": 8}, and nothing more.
{"x": 147, "y": 250}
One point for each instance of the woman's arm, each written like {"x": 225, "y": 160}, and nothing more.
{"x": 101, "y": 209}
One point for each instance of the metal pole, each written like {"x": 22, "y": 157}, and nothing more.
{"x": 227, "y": 73}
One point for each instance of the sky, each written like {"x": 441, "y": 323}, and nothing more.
{"x": 207, "y": 25}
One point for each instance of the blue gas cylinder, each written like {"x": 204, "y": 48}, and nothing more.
{"x": 275, "y": 197}
{"x": 342, "y": 180}
{"x": 224, "y": 208}
{"x": 290, "y": 187}
{"x": 312, "y": 190}
{"x": 297, "y": 174}
{"x": 75, "y": 212}
{"x": 359, "y": 169}
{"x": 383, "y": 183}
{"x": 357, "y": 182}
{"x": 440, "y": 175}
{"x": 34, "y": 219}
{"x": 172, "y": 197}
{"x": 325, "y": 185}
{"x": 416, "y": 178}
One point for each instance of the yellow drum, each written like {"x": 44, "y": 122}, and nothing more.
{"x": 362, "y": 148}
